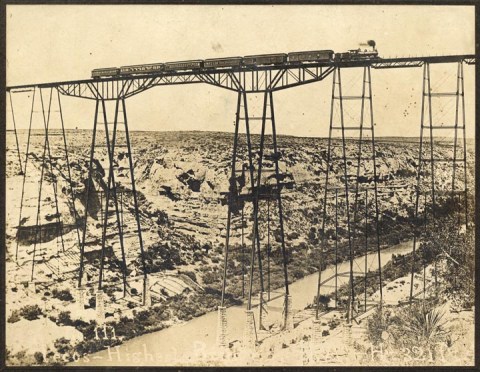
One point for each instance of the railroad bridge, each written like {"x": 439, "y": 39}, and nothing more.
{"x": 353, "y": 202}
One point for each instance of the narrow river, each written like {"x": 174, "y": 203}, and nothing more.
{"x": 180, "y": 342}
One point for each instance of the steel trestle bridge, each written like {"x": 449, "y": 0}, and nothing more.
{"x": 359, "y": 205}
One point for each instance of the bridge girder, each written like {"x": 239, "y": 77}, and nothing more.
{"x": 251, "y": 79}
{"x": 244, "y": 81}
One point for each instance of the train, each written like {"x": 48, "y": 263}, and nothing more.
{"x": 292, "y": 58}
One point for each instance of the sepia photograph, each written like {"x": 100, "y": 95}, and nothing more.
{"x": 239, "y": 185}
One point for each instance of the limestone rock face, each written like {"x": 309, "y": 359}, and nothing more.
{"x": 190, "y": 179}
{"x": 180, "y": 178}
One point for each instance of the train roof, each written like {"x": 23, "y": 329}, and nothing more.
{"x": 222, "y": 58}
{"x": 144, "y": 64}
{"x": 191, "y": 60}
{"x": 267, "y": 55}
{"x": 312, "y": 51}
{"x": 104, "y": 68}
{"x": 236, "y": 58}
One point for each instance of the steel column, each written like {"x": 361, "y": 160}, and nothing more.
{"x": 231, "y": 194}
{"x": 87, "y": 201}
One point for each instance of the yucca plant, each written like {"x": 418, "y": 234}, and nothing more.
{"x": 425, "y": 325}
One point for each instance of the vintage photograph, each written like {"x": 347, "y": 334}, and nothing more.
{"x": 240, "y": 185}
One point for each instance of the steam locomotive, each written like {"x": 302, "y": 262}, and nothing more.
{"x": 292, "y": 58}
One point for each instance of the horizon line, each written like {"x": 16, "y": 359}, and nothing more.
{"x": 215, "y": 131}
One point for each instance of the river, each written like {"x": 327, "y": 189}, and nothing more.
{"x": 182, "y": 341}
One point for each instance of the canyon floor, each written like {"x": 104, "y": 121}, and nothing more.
{"x": 180, "y": 177}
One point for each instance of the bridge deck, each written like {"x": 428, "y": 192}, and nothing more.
{"x": 248, "y": 78}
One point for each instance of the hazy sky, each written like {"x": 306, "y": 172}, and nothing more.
{"x": 60, "y": 42}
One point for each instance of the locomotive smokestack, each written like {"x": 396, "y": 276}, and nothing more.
{"x": 371, "y": 43}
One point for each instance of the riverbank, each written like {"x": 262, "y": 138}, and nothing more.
{"x": 198, "y": 336}
{"x": 193, "y": 343}
{"x": 127, "y": 323}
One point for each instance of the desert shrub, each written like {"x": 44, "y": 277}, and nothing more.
{"x": 293, "y": 235}
{"x": 131, "y": 305}
{"x": 19, "y": 359}
{"x": 162, "y": 218}
{"x": 31, "y": 312}
{"x": 210, "y": 278}
{"x": 14, "y": 317}
{"x": 298, "y": 273}
{"x": 423, "y": 324}
{"x": 87, "y": 329}
{"x": 64, "y": 318}
{"x": 92, "y": 302}
{"x": 419, "y": 324}
{"x": 126, "y": 328}
{"x": 190, "y": 274}
{"x": 89, "y": 346}
{"x": 405, "y": 172}
{"x": 63, "y": 295}
{"x": 161, "y": 313}
{"x": 110, "y": 291}
{"x": 207, "y": 247}
{"x": 323, "y": 301}
{"x": 376, "y": 324}
{"x": 38, "y": 357}
{"x": 162, "y": 257}
{"x": 459, "y": 274}
{"x": 333, "y": 323}
{"x": 62, "y": 345}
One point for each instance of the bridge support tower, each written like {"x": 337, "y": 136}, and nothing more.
{"x": 110, "y": 190}
{"x": 433, "y": 126}
{"x": 261, "y": 186}
{"x": 347, "y": 158}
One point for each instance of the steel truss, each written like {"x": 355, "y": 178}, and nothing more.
{"x": 365, "y": 154}
{"x": 259, "y": 189}
{"x": 111, "y": 194}
{"x": 427, "y": 160}
{"x": 257, "y": 80}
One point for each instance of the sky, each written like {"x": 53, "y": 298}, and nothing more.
{"x": 47, "y": 43}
